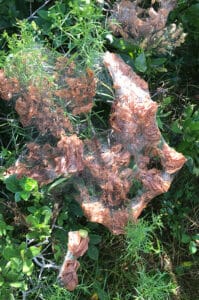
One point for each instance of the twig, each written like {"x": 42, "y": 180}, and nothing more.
{"x": 43, "y": 263}
{"x": 36, "y": 11}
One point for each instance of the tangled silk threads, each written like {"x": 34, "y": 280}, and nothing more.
{"x": 109, "y": 171}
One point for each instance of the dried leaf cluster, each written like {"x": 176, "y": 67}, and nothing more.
{"x": 146, "y": 26}
{"x": 47, "y": 107}
{"x": 77, "y": 246}
{"x": 137, "y": 139}
{"x": 105, "y": 170}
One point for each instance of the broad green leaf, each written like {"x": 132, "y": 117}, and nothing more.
{"x": 25, "y": 195}
{"x": 12, "y": 184}
{"x": 43, "y": 14}
{"x": 16, "y": 263}
{"x": 93, "y": 252}
{"x": 34, "y": 250}
{"x": 140, "y": 62}
{"x": 32, "y": 220}
{"x": 19, "y": 284}
{"x": 28, "y": 184}
{"x": 185, "y": 238}
{"x": 17, "y": 196}
{"x": 32, "y": 209}
{"x": 95, "y": 239}
{"x": 192, "y": 247}
{"x": 9, "y": 252}
{"x": 158, "y": 61}
{"x": 27, "y": 267}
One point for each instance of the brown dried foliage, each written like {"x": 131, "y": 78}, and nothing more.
{"x": 131, "y": 21}
{"x": 44, "y": 106}
{"x": 78, "y": 92}
{"x": 8, "y": 86}
{"x": 138, "y": 139}
{"x": 77, "y": 246}
{"x": 36, "y": 108}
{"x": 45, "y": 163}
{"x": 105, "y": 167}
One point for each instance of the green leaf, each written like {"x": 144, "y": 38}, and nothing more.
{"x": 32, "y": 220}
{"x": 187, "y": 264}
{"x": 76, "y": 209}
{"x": 16, "y": 263}
{"x": 158, "y": 61}
{"x": 93, "y": 252}
{"x": 34, "y": 250}
{"x": 9, "y": 252}
{"x": 28, "y": 184}
{"x": 25, "y": 195}
{"x": 140, "y": 62}
{"x": 175, "y": 127}
{"x": 12, "y": 184}
{"x": 17, "y": 197}
{"x": 192, "y": 15}
{"x": 83, "y": 233}
{"x": 27, "y": 267}
{"x": 185, "y": 238}
{"x": 57, "y": 182}
{"x": 192, "y": 247}
{"x": 43, "y": 14}
{"x": 194, "y": 126}
{"x": 195, "y": 237}
{"x": 95, "y": 239}
{"x": 19, "y": 284}
{"x": 1, "y": 280}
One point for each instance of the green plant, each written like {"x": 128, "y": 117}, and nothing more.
{"x": 23, "y": 187}
{"x": 27, "y": 59}
{"x": 186, "y": 129}
{"x": 9, "y": 12}
{"x": 18, "y": 253}
{"x": 179, "y": 208}
{"x": 76, "y": 27}
{"x": 140, "y": 238}
{"x": 153, "y": 286}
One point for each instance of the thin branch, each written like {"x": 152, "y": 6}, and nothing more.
{"x": 43, "y": 265}
{"x": 36, "y": 11}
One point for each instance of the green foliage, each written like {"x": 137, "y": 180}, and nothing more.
{"x": 93, "y": 251}
{"x": 23, "y": 188}
{"x": 75, "y": 26}
{"x": 179, "y": 208}
{"x": 19, "y": 250}
{"x": 144, "y": 61}
{"x": 187, "y": 128}
{"x": 27, "y": 60}
{"x": 4, "y": 228}
{"x": 153, "y": 286}
{"x": 9, "y": 12}
{"x": 140, "y": 62}
{"x": 139, "y": 237}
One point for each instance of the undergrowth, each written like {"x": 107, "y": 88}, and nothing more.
{"x": 157, "y": 256}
